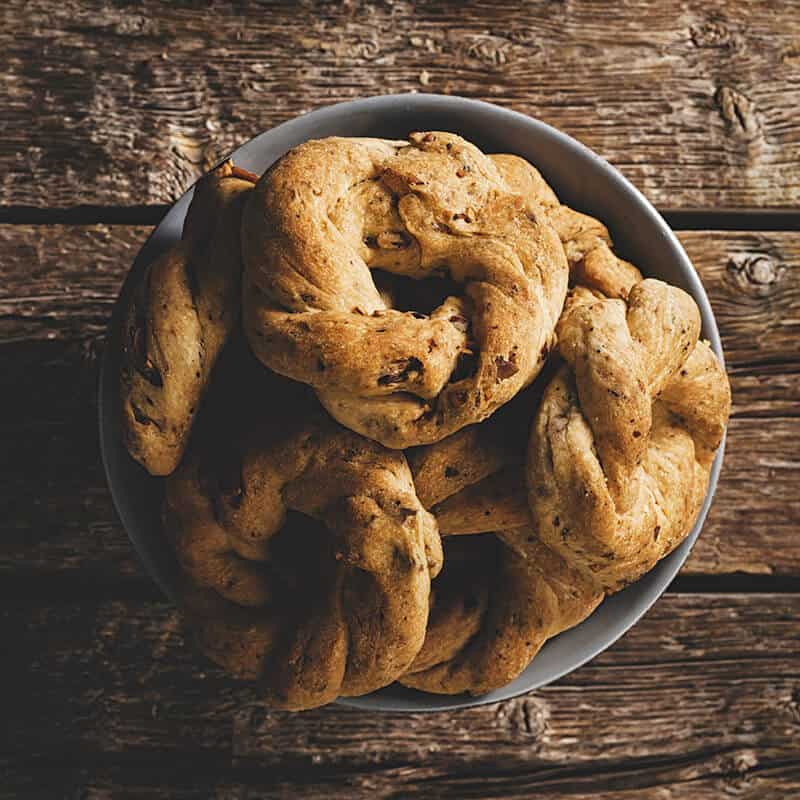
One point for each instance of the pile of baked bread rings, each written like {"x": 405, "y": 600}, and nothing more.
{"x": 414, "y": 416}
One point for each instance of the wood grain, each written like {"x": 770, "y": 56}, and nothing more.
{"x": 700, "y": 700}
{"x": 127, "y": 103}
{"x": 58, "y": 287}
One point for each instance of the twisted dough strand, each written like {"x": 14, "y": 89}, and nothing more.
{"x": 178, "y": 319}
{"x": 586, "y": 241}
{"x": 529, "y": 596}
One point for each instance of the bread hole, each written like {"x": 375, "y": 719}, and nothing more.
{"x": 407, "y": 294}
{"x": 400, "y": 371}
{"x": 141, "y": 417}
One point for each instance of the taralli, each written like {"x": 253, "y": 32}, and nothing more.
{"x": 309, "y": 556}
{"x": 473, "y": 481}
{"x": 178, "y": 319}
{"x": 503, "y": 595}
{"x": 436, "y": 207}
{"x": 439, "y": 419}
{"x": 622, "y": 445}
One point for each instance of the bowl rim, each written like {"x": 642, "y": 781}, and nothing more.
{"x": 405, "y": 700}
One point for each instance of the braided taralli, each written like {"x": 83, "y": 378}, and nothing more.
{"x": 521, "y": 576}
{"x": 178, "y": 319}
{"x": 334, "y": 209}
{"x": 309, "y": 557}
{"x": 502, "y": 593}
{"x": 622, "y": 445}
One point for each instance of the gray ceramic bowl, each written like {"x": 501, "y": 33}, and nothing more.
{"x": 582, "y": 180}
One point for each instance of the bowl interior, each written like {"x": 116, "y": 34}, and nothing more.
{"x": 582, "y": 180}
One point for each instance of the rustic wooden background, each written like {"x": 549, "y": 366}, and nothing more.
{"x": 108, "y": 111}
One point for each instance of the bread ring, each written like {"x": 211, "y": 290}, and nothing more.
{"x": 309, "y": 555}
{"x": 332, "y": 210}
{"x": 540, "y": 583}
{"x": 178, "y": 319}
{"x": 621, "y": 448}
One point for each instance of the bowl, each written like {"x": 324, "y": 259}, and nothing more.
{"x": 582, "y": 180}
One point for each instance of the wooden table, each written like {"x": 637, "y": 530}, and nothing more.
{"x": 108, "y": 111}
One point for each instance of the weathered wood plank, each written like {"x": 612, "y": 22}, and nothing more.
{"x": 58, "y": 286}
{"x": 726, "y": 774}
{"x": 700, "y": 699}
{"x": 125, "y": 104}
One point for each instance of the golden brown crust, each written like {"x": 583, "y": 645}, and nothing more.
{"x": 498, "y": 502}
{"x": 178, "y": 319}
{"x": 622, "y": 445}
{"x": 586, "y": 240}
{"x": 333, "y": 209}
{"x": 317, "y": 553}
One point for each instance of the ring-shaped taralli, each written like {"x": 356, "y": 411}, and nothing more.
{"x": 308, "y": 554}
{"x": 502, "y": 594}
{"x": 332, "y": 210}
{"x": 621, "y": 447}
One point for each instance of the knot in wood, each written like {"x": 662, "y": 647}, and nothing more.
{"x": 755, "y": 274}
{"x": 529, "y": 717}
{"x": 738, "y": 111}
{"x": 711, "y": 33}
